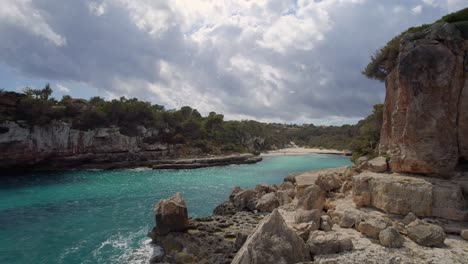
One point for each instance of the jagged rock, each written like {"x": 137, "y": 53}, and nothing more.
{"x": 262, "y": 189}
{"x": 226, "y": 208}
{"x": 464, "y": 234}
{"x": 372, "y": 227}
{"x": 327, "y": 179}
{"x": 291, "y": 178}
{"x": 241, "y": 237}
{"x": 246, "y": 199}
{"x": 378, "y": 164}
{"x": 272, "y": 242}
{"x": 267, "y": 203}
{"x": 361, "y": 160}
{"x": 399, "y": 194}
{"x": 286, "y": 186}
{"x": 420, "y": 128}
{"x": 410, "y": 217}
{"x": 326, "y": 223}
{"x": 391, "y": 238}
{"x": 322, "y": 243}
{"x": 235, "y": 190}
{"x": 425, "y": 234}
{"x": 312, "y": 198}
{"x": 171, "y": 215}
{"x": 305, "y": 216}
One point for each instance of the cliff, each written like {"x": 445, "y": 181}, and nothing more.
{"x": 425, "y": 125}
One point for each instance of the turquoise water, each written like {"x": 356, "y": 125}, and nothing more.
{"x": 103, "y": 216}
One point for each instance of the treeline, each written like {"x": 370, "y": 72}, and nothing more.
{"x": 186, "y": 125}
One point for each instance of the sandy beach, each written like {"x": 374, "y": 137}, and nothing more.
{"x": 303, "y": 151}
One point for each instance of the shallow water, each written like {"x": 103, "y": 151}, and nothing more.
{"x": 104, "y": 216}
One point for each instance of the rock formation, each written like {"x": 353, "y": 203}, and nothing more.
{"x": 171, "y": 215}
{"x": 425, "y": 116}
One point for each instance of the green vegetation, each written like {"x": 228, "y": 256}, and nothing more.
{"x": 211, "y": 133}
{"x": 385, "y": 59}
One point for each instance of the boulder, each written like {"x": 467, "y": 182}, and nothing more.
{"x": 303, "y": 229}
{"x": 272, "y": 242}
{"x": 312, "y": 198}
{"x": 378, "y": 164}
{"x": 291, "y": 178}
{"x": 283, "y": 197}
{"x": 241, "y": 237}
{"x": 262, "y": 189}
{"x": 464, "y": 234}
{"x": 326, "y": 223}
{"x": 322, "y": 243}
{"x": 327, "y": 179}
{"x": 426, "y": 234}
{"x": 305, "y": 216}
{"x": 372, "y": 227}
{"x": 234, "y": 191}
{"x": 391, "y": 238}
{"x": 400, "y": 194}
{"x": 410, "y": 217}
{"x": 245, "y": 199}
{"x": 349, "y": 219}
{"x": 286, "y": 186}
{"x": 171, "y": 215}
{"x": 267, "y": 203}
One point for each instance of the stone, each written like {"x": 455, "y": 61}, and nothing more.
{"x": 361, "y": 160}
{"x": 272, "y": 242}
{"x": 349, "y": 219}
{"x": 286, "y": 186}
{"x": 267, "y": 203}
{"x": 305, "y": 216}
{"x": 312, "y": 198}
{"x": 391, "y": 238}
{"x": 464, "y": 234}
{"x": 171, "y": 215}
{"x": 234, "y": 191}
{"x": 283, "y": 197}
{"x": 246, "y": 199}
{"x": 372, "y": 227}
{"x": 241, "y": 237}
{"x": 303, "y": 229}
{"x": 378, "y": 164}
{"x": 326, "y": 223}
{"x": 425, "y": 234}
{"x": 327, "y": 179}
{"x": 263, "y": 189}
{"x": 400, "y": 194}
{"x": 410, "y": 217}
{"x": 290, "y": 178}
{"x": 323, "y": 243}
{"x": 422, "y": 117}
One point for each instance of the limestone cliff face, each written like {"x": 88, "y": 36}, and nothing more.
{"x": 425, "y": 128}
{"x": 58, "y": 145}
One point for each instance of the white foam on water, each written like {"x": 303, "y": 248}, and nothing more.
{"x": 132, "y": 248}
{"x": 140, "y": 169}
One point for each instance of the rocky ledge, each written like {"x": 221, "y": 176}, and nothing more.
{"x": 341, "y": 215}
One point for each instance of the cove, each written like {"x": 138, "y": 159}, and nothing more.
{"x": 103, "y": 216}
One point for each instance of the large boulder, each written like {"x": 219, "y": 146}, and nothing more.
{"x": 399, "y": 194}
{"x": 312, "y": 198}
{"x": 171, "y": 215}
{"x": 267, "y": 203}
{"x": 322, "y": 243}
{"x": 378, "y": 164}
{"x": 272, "y": 242}
{"x": 306, "y": 216}
{"x": 426, "y": 234}
{"x": 327, "y": 179}
{"x": 423, "y": 117}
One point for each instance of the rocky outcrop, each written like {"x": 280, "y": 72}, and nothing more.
{"x": 171, "y": 215}
{"x": 425, "y": 118}
{"x": 60, "y": 146}
{"x": 272, "y": 242}
{"x": 400, "y": 194}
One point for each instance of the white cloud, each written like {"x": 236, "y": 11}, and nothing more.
{"x": 97, "y": 9}
{"x": 417, "y": 9}
{"x": 63, "y": 89}
{"x": 22, "y": 13}
{"x": 455, "y": 5}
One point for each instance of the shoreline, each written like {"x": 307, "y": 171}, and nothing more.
{"x": 304, "y": 151}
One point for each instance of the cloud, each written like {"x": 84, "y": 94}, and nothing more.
{"x": 21, "y": 13}
{"x": 283, "y": 61}
{"x": 63, "y": 89}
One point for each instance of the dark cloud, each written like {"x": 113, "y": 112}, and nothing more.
{"x": 272, "y": 60}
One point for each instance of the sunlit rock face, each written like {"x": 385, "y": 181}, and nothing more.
{"x": 426, "y": 107}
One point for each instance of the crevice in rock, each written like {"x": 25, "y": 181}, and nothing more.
{"x": 465, "y": 72}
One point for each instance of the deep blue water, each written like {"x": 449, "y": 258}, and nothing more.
{"x": 103, "y": 216}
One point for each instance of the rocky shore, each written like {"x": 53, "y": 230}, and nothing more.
{"x": 320, "y": 217}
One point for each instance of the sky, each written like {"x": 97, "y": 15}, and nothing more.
{"x": 297, "y": 61}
